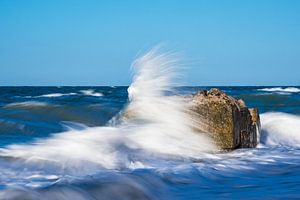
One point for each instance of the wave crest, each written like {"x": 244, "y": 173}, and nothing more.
{"x": 91, "y": 93}
{"x": 280, "y": 129}
{"x": 280, "y": 89}
{"x": 26, "y": 104}
{"x": 159, "y": 127}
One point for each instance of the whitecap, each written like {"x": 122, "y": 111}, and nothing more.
{"x": 26, "y": 104}
{"x": 281, "y": 89}
{"x": 91, "y": 93}
{"x": 56, "y": 95}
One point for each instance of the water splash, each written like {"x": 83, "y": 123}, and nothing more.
{"x": 155, "y": 128}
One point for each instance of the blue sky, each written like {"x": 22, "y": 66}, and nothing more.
{"x": 69, "y": 42}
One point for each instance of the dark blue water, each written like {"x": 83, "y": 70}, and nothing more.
{"x": 39, "y": 124}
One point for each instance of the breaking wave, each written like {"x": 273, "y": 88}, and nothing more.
{"x": 91, "y": 93}
{"x": 26, "y": 104}
{"x": 56, "y": 95}
{"x": 148, "y": 149}
{"x": 154, "y": 127}
{"x": 280, "y": 89}
{"x": 280, "y": 129}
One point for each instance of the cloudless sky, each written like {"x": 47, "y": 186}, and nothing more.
{"x": 71, "y": 42}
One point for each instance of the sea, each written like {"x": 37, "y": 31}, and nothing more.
{"x": 139, "y": 142}
{"x": 60, "y": 143}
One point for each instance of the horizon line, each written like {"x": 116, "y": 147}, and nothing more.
{"x": 129, "y": 85}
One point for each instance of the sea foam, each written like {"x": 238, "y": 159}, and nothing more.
{"x": 159, "y": 129}
{"x": 280, "y": 89}
{"x": 26, "y": 104}
{"x": 91, "y": 93}
{"x": 56, "y": 95}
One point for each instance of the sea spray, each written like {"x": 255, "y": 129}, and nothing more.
{"x": 159, "y": 128}
{"x": 166, "y": 127}
{"x": 109, "y": 163}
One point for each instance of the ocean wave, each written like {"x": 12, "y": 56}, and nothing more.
{"x": 280, "y": 129}
{"x": 159, "y": 129}
{"x": 154, "y": 133}
{"x": 69, "y": 126}
{"x": 26, "y": 104}
{"x": 281, "y": 89}
{"x": 52, "y": 95}
{"x": 91, "y": 92}
{"x": 56, "y": 95}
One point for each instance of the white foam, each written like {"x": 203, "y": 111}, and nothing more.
{"x": 26, "y": 104}
{"x": 52, "y": 95}
{"x": 170, "y": 127}
{"x": 69, "y": 126}
{"x": 160, "y": 128}
{"x": 281, "y": 129}
{"x": 91, "y": 93}
{"x": 56, "y": 95}
{"x": 280, "y": 89}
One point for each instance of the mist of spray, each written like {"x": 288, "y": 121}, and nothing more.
{"x": 155, "y": 124}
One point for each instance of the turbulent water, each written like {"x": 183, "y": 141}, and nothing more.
{"x": 138, "y": 142}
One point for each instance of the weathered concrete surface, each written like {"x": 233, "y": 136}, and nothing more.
{"x": 228, "y": 121}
